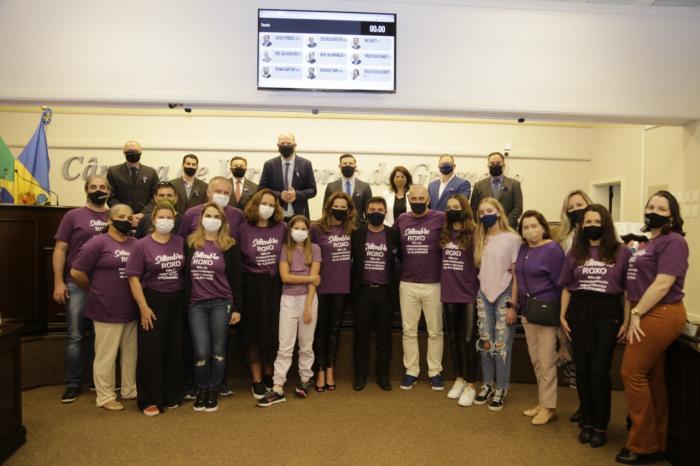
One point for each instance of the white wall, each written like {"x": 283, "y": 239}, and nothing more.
{"x": 691, "y": 159}
{"x": 458, "y": 57}
{"x": 549, "y": 159}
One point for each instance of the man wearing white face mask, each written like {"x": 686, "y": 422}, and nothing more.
{"x": 219, "y": 192}
{"x": 155, "y": 274}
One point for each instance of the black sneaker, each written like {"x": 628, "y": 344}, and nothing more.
{"x": 302, "y": 389}
{"x": 190, "y": 394}
{"x": 212, "y": 403}
{"x": 200, "y": 401}
{"x": 70, "y": 395}
{"x": 259, "y": 390}
{"x": 271, "y": 398}
{"x": 499, "y": 397}
{"x": 91, "y": 387}
{"x": 267, "y": 380}
{"x": 225, "y": 390}
{"x": 485, "y": 394}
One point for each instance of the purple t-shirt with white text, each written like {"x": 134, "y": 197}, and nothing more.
{"x": 420, "y": 245}
{"x": 299, "y": 267}
{"x": 104, "y": 260}
{"x": 458, "y": 276}
{"x": 76, "y": 227}
{"x": 261, "y": 247}
{"x": 192, "y": 217}
{"x": 542, "y": 265}
{"x": 666, "y": 254}
{"x": 377, "y": 257}
{"x": 208, "y": 274}
{"x": 335, "y": 251}
{"x": 596, "y": 275}
{"x": 159, "y": 266}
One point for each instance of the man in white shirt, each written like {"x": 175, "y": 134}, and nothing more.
{"x": 359, "y": 191}
{"x": 243, "y": 188}
{"x": 447, "y": 185}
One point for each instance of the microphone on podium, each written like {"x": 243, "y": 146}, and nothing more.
{"x": 35, "y": 184}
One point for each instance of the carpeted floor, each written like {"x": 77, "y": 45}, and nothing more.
{"x": 345, "y": 427}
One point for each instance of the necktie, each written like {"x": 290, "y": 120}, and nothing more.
{"x": 286, "y": 175}
{"x": 348, "y": 188}
{"x": 238, "y": 191}
{"x": 134, "y": 174}
{"x": 495, "y": 185}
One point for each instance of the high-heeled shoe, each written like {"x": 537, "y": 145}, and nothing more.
{"x": 532, "y": 412}
{"x": 544, "y": 416}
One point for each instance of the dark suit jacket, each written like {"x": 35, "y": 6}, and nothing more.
{"x": 510, "y": 196}
{"x": 124, "y": 191}
{"x": 358, "y": 241}
{"x": 360, "y": 196}
{"x": 303, "y": 182}
{"x": 249, "y": 189}
{"x": 456, "y": 185}
{"x": 198, "y": 195}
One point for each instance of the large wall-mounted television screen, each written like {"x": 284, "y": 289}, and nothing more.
{"x": 326, "y": 51}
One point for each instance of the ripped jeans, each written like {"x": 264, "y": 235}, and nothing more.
{"x": 209, "y": 325}
{"x": 495, "y": 339}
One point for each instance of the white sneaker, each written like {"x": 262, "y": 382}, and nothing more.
{"x": 456, "y": 389}
{"x": 467, "y": 397}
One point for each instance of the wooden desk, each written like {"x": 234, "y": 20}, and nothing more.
{"x": 12, "y": 432}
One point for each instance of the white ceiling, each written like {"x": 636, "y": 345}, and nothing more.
{"x": 685, "y": 3}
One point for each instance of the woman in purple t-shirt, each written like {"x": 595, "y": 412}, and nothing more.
{"x": 594, "y": 314}
{"x": 100, "y": 269}
{"x": 495, "y": 251}
{"x": 458, "y": 290}
{"x": 332, "y": 233}
{"x": 537, "y": 272}
{"x": 213, "y": 282}
{"x": 300, "y": 267}
{"x": 261, "y": 237}
{"x": 155, "y": 271}
{"x": 655, "y": 280}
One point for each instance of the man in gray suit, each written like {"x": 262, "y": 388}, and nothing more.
{"x": 358, "y": 190}
{"x": 191, "y": 191}
{"x": 243, "y": 188}
{"x": 132, "y": 183}
{"x": 505, "y": 190}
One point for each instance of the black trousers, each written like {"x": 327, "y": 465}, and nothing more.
{"x": 159, "y": 368}
{"x": 330, "y": 312}
{"x": 462, "y": 330}
{"x": 595, "y": 319}
{"x": 373, "y": 304}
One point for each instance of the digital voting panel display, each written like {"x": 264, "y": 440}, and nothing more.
{"x": 326, "y": 51}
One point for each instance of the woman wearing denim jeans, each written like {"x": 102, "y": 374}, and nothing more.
{"x": 495, "y": 253}
{"x": 77, "y": 226}
{"x": 213, "y": 280}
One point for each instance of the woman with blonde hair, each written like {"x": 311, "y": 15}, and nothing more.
{"x": 495, "y": 252}
{"x": 332, "y": 234}
{"x": 213, "y": 283}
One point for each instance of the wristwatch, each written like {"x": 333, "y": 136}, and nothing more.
{"x": 635, "y": 312}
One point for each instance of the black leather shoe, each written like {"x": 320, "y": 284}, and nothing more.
{"x": 598, "y": 439}
{"x": 384, "y": 383}
{"x": 359, "y": 384}
{"x": 629, "y": 457}
{"x": 585, "y": 435}
{"x": 576, "y": 417}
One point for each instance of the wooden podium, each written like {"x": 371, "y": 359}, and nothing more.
{"x": 26, "y": 247}
{"x": 12, "y": 432}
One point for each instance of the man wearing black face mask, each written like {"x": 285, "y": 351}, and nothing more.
{"x": 447, "y": 185}
{"x": 132, "y": 183}
{"x": 290, "y": 177}
{"x": 190, "y": 190}
{"x": 358, "y": 190}
{"x": 374, "y": 250}
{"x": 505, "y": 190}
{"x": 243, "y": 188}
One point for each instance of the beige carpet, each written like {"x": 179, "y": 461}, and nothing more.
{"x": 345, "y": 427}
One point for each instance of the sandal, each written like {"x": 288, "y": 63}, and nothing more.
{"x": 330, "y": 387}
{"x": 320, "y": 389}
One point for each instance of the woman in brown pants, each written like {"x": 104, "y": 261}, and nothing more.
{"x": 655, "y": 287}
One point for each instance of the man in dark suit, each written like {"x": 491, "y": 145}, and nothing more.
{"x": 505, "y": 190}
{"x": 447, "y": 185}
{"x": 190, "y": 190}
{"x": 375, "y": 248}
{"x": 243, "y": 188}
{"x": 132, "y": 183}
{"x": 290, "y": 177}
{"x": 165, "y": 193}
{"x": 358, "y": 190}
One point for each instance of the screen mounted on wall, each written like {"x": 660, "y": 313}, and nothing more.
{"x": 326, "y": 51}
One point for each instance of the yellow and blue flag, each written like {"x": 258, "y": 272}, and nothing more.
{"x": 7, "y": 174}
{"x": 31, "y": 181}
